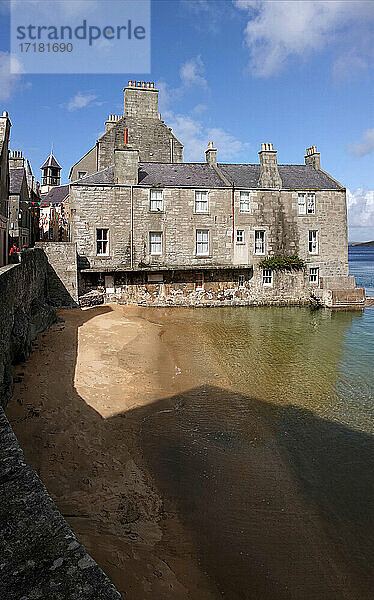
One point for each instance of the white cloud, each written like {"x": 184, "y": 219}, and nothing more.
{"x": 192, "y": 75}
{"x": 10, "y": 75}
{"x": 80, "y": 100}
{"x": 360, "y": 208}
{"x": 365, "y": 146}
{"x": 195, "y": 136}
{"x": 277, "y": 31}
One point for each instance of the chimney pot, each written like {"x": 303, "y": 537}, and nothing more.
{"x": 313, "y": 157}
{"x": 269, "y": 174}
{"x": 211, "y": 154}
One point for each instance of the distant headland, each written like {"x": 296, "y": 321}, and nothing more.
{"x": 361, "y": 243}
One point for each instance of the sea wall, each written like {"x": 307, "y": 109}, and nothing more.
{"x": 24, "y": 312}
{"x": 40, "y": 557}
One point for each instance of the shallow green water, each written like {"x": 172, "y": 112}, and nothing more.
{"x": 267, "y": 454}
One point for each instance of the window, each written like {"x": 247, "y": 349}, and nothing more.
{"x": 156, "y": 200}
{"x": 240, "y": 236}
{"x": 155, "y": 242}
{"x": 259, "y": 242}
{"x": 302, "y": 204}
{"x": 313, "y": 242}
{"x": 102, "y": 242}
{"x": 201, "y": 202}
{"x": 202, "y": 242}
{"x": 81, "y": 174}
{"x": 311, "y": 206}
{"x": 155, "y": 278}
{"x": 244, "y": 205}
{"x": 199, "y": 284}
{"x": 241, "y": 281}
{"x": 267, "y": 277}
{"x": 313, "y": 275}
{"x": 307, "y": 204}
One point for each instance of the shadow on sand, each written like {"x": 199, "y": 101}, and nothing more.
{"x": 279, "y": 502}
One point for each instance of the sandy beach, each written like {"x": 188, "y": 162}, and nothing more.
{"x": 70, "y": 415}
{"x": 180, "y": 484}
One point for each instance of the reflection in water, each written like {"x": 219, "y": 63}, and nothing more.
{"x": 268, "y": 456}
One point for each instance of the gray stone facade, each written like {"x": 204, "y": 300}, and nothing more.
{"x": 141, "y": 124}
{"x": 5, "y": 126}
{"x": 197, "y": 233}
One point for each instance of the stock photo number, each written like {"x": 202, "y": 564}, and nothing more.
{"x": 42, "y": 47}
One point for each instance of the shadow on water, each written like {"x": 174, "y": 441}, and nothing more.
{"x": 279, "y": 501}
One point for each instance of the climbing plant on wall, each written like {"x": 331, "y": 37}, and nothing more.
{"x": 283, "y": 263}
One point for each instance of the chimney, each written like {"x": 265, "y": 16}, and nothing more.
{"x": 16, "y": 159}
{"x": 126, "y": 166}
{"x": 269, "y": 174}
{"x": 141, "y": 100}
{"x": 111, "y": 121}
{"x": 5, "y": 126}
{"x": 211, "y": 154}
{"x": 313, "y": 157}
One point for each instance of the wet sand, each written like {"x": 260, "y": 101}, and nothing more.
{"x": 143, "y": 446}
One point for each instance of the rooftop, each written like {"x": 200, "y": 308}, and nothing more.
{"x": 15, "y": 180}
{"x": 203, "y": 175}
{"x": 55, "y": 195}
{"x": 50, "y": 162}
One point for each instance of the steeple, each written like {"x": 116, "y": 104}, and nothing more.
{"x": 51, "y": 174}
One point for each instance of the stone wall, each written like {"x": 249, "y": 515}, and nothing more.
{"x": 182, "y": 288}
{"x": 151, "y": 137}
{"x": 87, "y": 164}
{"x": 275, "y": 212}
{"x": 40, "y": 556}
{"x": 62, "y": 272}
{"x": 24, "y": 312}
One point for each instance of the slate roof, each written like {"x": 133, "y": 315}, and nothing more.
{"x": 55, "y": 195}
{"x": 15, "y": 180}
{"x": 202, "y": 175}
{"x": 293, "y": 176}
{"x": 51, "y": 162}
{"x": 181, "y": 174}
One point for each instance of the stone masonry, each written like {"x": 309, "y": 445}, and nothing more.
{"x": 196, "y": 233}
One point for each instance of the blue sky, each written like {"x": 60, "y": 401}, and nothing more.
{"x": 237, "y": 73}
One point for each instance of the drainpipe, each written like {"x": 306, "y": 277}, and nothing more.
{"x": 131, "y": 226}
{"x": 233, "y": 212}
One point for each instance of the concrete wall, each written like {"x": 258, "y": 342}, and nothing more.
{"x": 62, "y": 272}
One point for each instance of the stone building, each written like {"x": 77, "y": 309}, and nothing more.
{"x": 142, "y": 124}
{"x": 5, "y": 126}
{"x": 24, "y": 200}
{"x": 152, "y": 229}
{"x": 54, "y": 205}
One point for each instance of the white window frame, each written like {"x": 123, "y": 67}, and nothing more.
{"x": 82, "y": 174}
{"x": 301, "y": 203}
{"x": 245, "y": 202}
{"x": 306, "y": 203}
{"x": 156, "y": 203}
{"x": 240, "y": 239}
{"x": 102, "y": 240}
{"x": 153, "y": 242}
{"x": 200, "y": 242}
{"x": 241, "y": 281}
{"x": 201, "y": 198}
{"x": 199, "y": 278}
{"x": 263, "y": 251}
{"x": 311, "y": 207}
{"x": 313, "y": 245}
{"x": 267, "y": 277}
{"x": 314, "y": 275}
